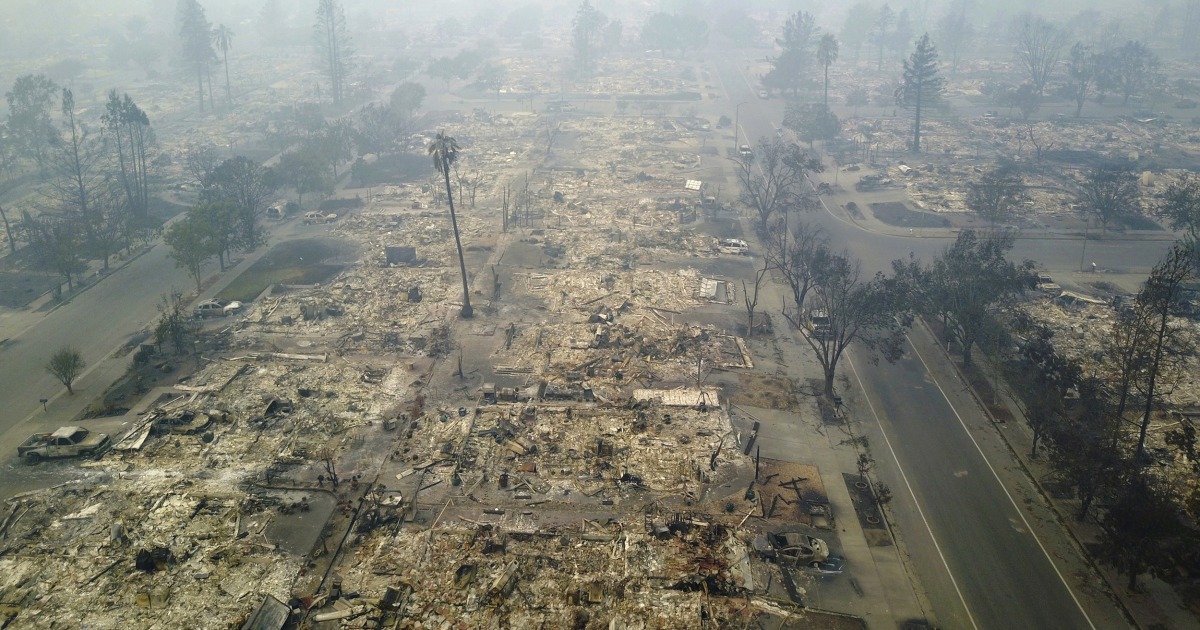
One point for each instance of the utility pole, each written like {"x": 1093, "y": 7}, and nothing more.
{"x": 1083, "y": 254}
{"x": 737, "y": 117}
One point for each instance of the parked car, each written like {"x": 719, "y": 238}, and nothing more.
{"x": 734, "y": 246}
{"x": 232, "y": 308}
{"x": 210, "y": 308}
{"x": 65, "y": 442}
{"x": 316, "y": 218}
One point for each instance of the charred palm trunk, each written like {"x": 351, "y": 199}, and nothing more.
{"x": 467, "y": 312}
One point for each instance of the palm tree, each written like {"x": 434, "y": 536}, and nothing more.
{"x": 444, "y": 151}
{"x": 223, "y": 39}
{"x": 827, "y": 53}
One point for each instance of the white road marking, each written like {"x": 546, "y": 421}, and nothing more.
{"x": 917, "y": 503}
{"x": 1024, "y": 520}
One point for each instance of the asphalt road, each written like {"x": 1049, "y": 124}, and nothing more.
{"x": 1001, "y": 577}
{"x": 96, "y": 322}
{"x": 979, "y": 560}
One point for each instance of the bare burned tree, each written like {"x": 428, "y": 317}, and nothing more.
{"x": 1039, "y": 44}
{"x": 774, "y": 180}
{"x": 797, "y": 253}
{"x": 1081, "y": 73}
{"x": 751, "y": 297}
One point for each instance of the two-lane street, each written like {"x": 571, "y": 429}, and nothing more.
{"x": 96, "y": 322}
{"x": 984, "y": 558}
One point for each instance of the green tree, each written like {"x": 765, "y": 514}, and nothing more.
{"x": 195, "y": 42}
{"x": 304, "y": 171}
{"x": 444, "y": 152}
{"x": 827, "y": 55}
{"x": 922, "y": 86}
{"x": 1141, "y": 530}
{"x": 969, "y": 282}
{"x": 790, "y": 69}
{"x": 406, "y": 99}
{"x": 199, "y": 160}
{"x": 333, "y": 45}
{"x": 998, "y": 195}
{"x": 191, "y": 246}
{"x": 223, "y": 39}
{"x": 442, "y": 68}
{"x": 55, "y": 241}
{"x": 1083, "y": 449}
{"x": 66, "y": 364}
{"x": 222, "y": 229}
{"x": 381, "y": 130}
{"x": 29, "y": 124}
{"x": 586, "y": 30}
{"x": 491, "y": 76}
{"x": 1109, "y": 193}
{"x": 1025, "y": 98}
{"x": 812, "y": 122}
{"x": 335, "y": 144}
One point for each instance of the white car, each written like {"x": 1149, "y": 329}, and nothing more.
{"x": 232, "y": 308}
{"x": 745, "y": 150}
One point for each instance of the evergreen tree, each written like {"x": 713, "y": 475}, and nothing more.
{"x": 922, "y": 85}
{"x": 333, "y": 45}
{"x": 586, "y": 30}
{"x": 195, "y": 42}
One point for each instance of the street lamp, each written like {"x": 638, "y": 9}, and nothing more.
{"x": 737, "y": 116}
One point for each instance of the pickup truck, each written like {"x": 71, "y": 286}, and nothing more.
{"x": 65, "y": 442}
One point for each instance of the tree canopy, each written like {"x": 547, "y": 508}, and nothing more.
{"x": 921, "y": 86}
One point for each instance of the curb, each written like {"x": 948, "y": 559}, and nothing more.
{"x": 1059, "y": 517}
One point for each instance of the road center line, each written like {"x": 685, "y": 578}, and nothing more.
{"x": 1017, "y": 508}
{"x": 917, "y": 503}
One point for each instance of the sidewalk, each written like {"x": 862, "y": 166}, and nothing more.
{"x": 876, "y": 584}
{"x": 1159, "y": 605}
{"x": 64, "y": 409}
